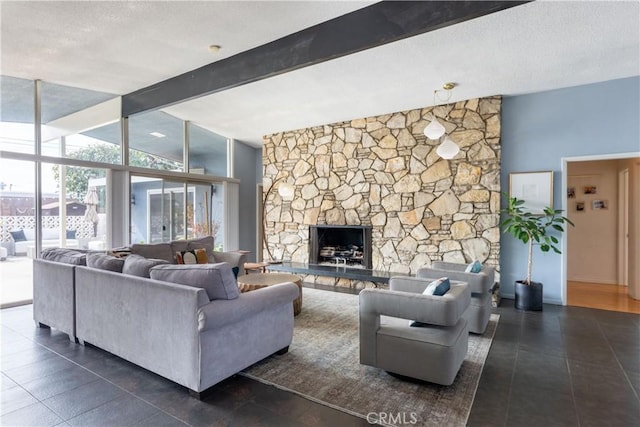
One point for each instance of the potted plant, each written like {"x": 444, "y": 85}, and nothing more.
{"x": 532, "y": 229}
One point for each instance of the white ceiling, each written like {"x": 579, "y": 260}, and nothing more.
{"x": 119, "y": 47}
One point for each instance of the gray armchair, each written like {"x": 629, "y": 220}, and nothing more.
{"x": 480, "y": 283}
{"x": 433, "y": 352}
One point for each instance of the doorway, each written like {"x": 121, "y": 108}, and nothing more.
{"x": 600, "y": 256}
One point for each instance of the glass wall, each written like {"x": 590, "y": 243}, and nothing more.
{"x": 17, "y": 115}
{"x": 17, "y": 230}
{"x": 80, "y": 124}
{"x": 156, "y": 141}
{"x": 77, "y": 217}
{"x": 82, "y": 130}
{"x": 207, "y": 152}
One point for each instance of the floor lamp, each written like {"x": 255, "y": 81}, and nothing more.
{"x": 286, "y": 191}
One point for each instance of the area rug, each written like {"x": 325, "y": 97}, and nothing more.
{"x": 323, "y": 365}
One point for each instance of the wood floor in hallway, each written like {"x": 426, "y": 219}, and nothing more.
{"x": 604, "y": 297}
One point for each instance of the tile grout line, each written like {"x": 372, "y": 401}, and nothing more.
{"x": 94, "y": 373}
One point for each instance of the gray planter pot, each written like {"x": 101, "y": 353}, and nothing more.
{"x": 528, "y": 297}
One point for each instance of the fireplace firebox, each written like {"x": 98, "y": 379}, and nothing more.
{"x": 341, "y": 245}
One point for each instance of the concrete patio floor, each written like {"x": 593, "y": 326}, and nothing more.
{"x": 16, "y": 281}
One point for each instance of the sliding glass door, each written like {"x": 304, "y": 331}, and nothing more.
{"x": 164, "y": 210}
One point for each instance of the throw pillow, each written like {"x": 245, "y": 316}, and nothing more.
{"x": 474, "y": 267}
{"x": 71, "y": 234}
{"x": 140, "y": 266}
{"x": 216, "y": 279}
{"x": 195, "y": 256}
{"x": 103, "y": 261}
{"x": 18, "y": 236}
{"x": 438, "y": 287}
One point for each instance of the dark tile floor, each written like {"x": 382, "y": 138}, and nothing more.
{"x": 564, "y": 366}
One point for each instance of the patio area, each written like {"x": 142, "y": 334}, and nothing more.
{"x": 16, "y": 281}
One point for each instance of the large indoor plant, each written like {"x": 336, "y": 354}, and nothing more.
{"x": 532, "y": 229}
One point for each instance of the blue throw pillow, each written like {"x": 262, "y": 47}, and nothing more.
{"x": 18, "y": 236}
{"x": 438, "y": 287}
{"x": 71, "y": 234}
{"x": 474, "y": 267}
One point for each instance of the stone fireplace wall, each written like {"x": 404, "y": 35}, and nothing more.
{"x": 382, "y": 171}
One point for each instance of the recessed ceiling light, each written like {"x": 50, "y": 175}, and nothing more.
{"x": 215, "y": 48}
{"x": 158, "y": 134}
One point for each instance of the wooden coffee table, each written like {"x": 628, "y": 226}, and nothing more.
{"x": 250, "y": 282}
{"x": 255, "y": 266}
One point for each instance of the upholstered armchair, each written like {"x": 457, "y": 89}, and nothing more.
{"x": 431, "y": 352}
{"x": 480, "y": 283}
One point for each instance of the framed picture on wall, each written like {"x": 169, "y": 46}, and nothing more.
{"x": 580, "y": 206}
{"x": 571, "y": 193}
{"x": 535, "y": 188}
{"x": 590, "y": 189}
{"x": 600, "y": 205}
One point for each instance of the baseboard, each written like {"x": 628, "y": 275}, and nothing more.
{"x": 591, "y": 280}
{"x": 552, "y": 301}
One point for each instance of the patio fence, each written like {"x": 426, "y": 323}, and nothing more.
{"x": 84, "y": 229}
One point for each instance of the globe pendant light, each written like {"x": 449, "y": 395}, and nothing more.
{"x": 448, "y": 149}
{"x": 434, "y": 130}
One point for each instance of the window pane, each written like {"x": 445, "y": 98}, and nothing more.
{"x": 80, "y": 124}
{"x": 207, "y": 152}
{"x": 156, "y": 141}
{"x": 74, "y": 208}
{"x": 217, "y": 215}
{"x": 16, "y": 115}
{"x": 17, "y": 229}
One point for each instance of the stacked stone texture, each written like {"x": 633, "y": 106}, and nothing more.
{"x": 382, "y": 171}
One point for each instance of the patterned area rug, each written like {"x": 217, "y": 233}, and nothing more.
{"x": 323, "y": 365}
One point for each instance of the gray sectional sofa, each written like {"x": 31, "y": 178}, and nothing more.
{"x": 188, "y": 323}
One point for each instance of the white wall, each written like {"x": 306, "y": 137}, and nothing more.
{"x": 592, "y": 243}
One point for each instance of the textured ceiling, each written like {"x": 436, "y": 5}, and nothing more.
{"x": 118, "y": 47}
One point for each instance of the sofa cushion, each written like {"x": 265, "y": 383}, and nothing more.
{"x": 18, "y": 236}
{"x": 194, "y": 256}
{"x": 66, "y": 256}
{"x": 203, "y": 242}
{"x": 154, "y": 250}
{"x": 105, "y": 262}
{"x": 50, "y": 233}
{"x": 216, "y": 279}
{"x": 179, "y": 246}
{"x": 71, "y": 234}
{"x": 140, "y": 266}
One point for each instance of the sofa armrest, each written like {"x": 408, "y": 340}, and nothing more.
{"x": 54, "y": 295}
{"x": 223, "y": 312}
{"x": 235, "y": 259}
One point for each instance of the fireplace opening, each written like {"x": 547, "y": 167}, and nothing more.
{"x": 342, "y": 245}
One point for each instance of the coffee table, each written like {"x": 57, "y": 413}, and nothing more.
{"x": 255, "y": 266}
{"x": 250, "y": 282}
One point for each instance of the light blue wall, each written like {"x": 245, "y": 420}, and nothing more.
{"x": 245, "y": 158}
{"x": 538, "y": 130}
